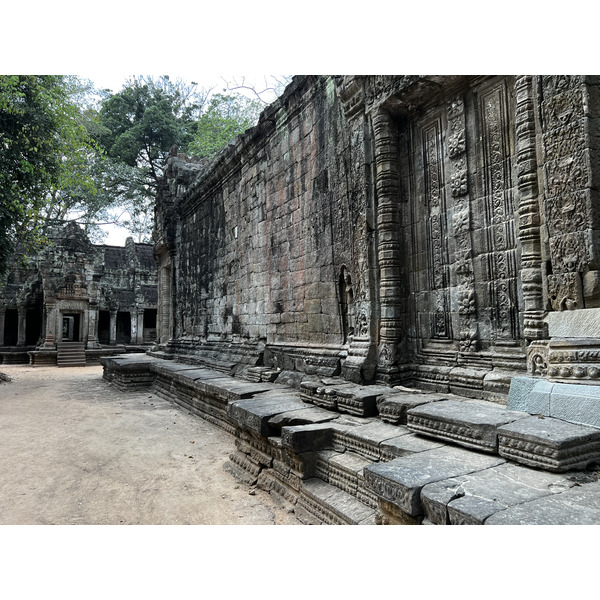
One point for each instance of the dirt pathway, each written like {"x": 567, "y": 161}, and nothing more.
{"x": 76, "y": 450}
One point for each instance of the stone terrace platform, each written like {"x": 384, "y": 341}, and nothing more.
{"x": 341, "y": 453}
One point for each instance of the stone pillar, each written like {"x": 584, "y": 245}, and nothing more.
{"x": 22, "y": 324}
{"x": 113, "y": 327}
{"x": 140, "y": 326}
{"x": 133, "y": 327}
{"x": 2, "y": 318}
{"x": 92, "y": 336}
{"x": 50, "y": 328}
{"x": 528, "y": 211}
{"x": 388, "y": 248}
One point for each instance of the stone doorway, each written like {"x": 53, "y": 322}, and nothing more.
{"x": 71, "y": 327}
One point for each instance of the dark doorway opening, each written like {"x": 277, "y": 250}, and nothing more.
{"x": 71, "y": 327}
{"x": 104, "y": 327}
{"x": 33, "y": 326}
{"x": 123, "y": 328}
{"x": 11, "y": 327}
{"x": 150, "y": 325}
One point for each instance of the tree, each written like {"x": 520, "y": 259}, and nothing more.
{"x": 43, "y": 143}
{"x": 226, "y": 117}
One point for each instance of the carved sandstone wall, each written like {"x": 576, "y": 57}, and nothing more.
{"x": 396, "y": 229}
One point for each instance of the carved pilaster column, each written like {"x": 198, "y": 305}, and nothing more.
{"x": 461, "y": 227}
{"x": 140, "y": 326}
{"x": 50, "y": 329}
{"x": 22, "y": 326}
{"x": 2, "y": 319}
{"x": 388, "y": 247}
{"x": 92, "y": 336}
{"x": 113, "y": 328}
{"x": 529, "y": 211}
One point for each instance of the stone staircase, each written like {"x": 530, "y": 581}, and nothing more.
{"x": 70, "y": 354}
{"x": 341, "y": 453}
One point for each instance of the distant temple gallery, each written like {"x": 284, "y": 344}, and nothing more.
{"x": 99, "y": 299}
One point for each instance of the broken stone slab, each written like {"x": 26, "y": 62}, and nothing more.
{"x": 366, "y": 439}
{"x": 405, "y": 444}
{"x": 401, "y": 480}
{"x": 549, "y": 444}
{"x": 393, "y": 407}
{"x": 576, "y": 506}
{"x": 361, "y": 401}
{"x": 471, "y": 499}
{"x": 302, "y": 417}
{"x": 468, "y": 423}
{"x": 230, "y": 389}
{"x": 254, "y": 415}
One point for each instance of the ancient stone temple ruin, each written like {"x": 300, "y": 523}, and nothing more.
{"x": 75, "y": 301}
{"x": 388, "y": 291}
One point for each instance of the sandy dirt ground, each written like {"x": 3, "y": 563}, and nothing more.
{"x": 76, "y": 450}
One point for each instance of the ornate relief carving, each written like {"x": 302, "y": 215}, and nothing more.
{"x": 537, "y": 358}
{"x": 565, "y": 291}
{"x": 567, "y": 202}
{"x": 500, "y": 212}
{"x": 461, "y": 227}
{"x": 435, "y": 218}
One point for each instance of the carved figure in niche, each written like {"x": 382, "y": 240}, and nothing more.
{"x": 346, "y": 292}
{"x": 565, "y": 291}
{"x": 362, "y": 325}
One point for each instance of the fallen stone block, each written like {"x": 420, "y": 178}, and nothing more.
{"x": 549, "y": 444}
{"x": 469, "y": 424}
{"x": 401, "y": 480}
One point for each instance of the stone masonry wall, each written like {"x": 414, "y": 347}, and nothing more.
{"x": 394, "y": 229}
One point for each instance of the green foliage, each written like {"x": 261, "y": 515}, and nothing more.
{"x": 42, "y": 138}
{"x": 140, "y": 124}
{"x": 226, "y": 117}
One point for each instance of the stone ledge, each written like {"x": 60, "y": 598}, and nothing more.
{"x": 549, "y": 444}
{"x": 469, "y": 424}
{"x": 401, "y": 480}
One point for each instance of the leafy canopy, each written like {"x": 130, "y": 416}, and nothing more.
{"x": 42, "y": 146}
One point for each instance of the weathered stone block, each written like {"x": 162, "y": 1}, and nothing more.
{"x": 470, "y": 424}
{"x": 576, "y": 506}
{"x": 576, "y": 403}
{"x": 471, "y": 499}
{"x": 366, "y": 439}
{"x": 405, "y": 444}
{"x": 392, "y": 407}
{"x": 254, "y": 414}
{"x": 304, "y": 438}
{"x": 549, "y": 444}
{"x": 401, "y": 480}
{"x": 361, "y": 401}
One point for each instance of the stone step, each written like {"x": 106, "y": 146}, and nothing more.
{"x": 321, "y": 502}
{"x": 549, "y": 444}
{"x": 70, "y": 354}
{"x": 472, "y": 424}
